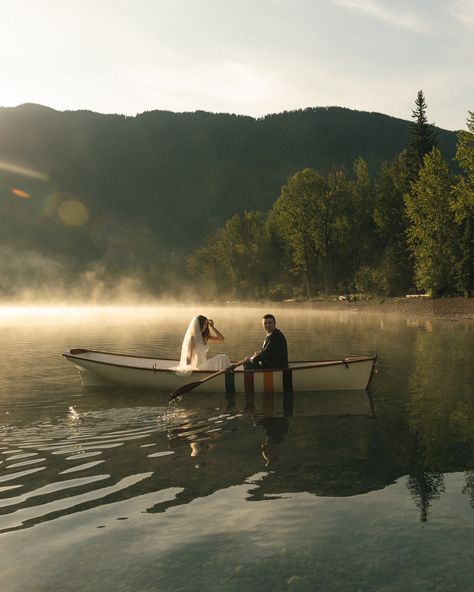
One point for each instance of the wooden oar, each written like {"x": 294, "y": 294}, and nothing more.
{"x": 192, "y": 385}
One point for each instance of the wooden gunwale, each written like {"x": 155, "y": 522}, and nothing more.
{"x": 316, "y": 364}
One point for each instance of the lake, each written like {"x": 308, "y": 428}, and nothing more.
{"x": 114, "y": 490}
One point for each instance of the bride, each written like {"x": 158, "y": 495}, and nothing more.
{"x": 200, "y": 331}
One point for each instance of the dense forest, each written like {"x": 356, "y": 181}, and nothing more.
{"x": 409, "y": 227}
{"x": 298, "y": 203}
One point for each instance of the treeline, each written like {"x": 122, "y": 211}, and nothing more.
{"x": 408, "y": 227}
{"x": 90, "y": 202}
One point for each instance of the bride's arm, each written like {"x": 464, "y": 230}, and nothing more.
{"x": 217, "y": 334}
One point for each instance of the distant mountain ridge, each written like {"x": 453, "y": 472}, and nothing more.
{"x": 157, "y": 183}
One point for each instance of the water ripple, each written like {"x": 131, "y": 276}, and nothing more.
{"x": 32, "y": 514}
{"x": 82, "y": 467}
{"x": 121, "y": 437}
{"x": 31, "y": 461}
{"x": 51, "y": 488}
{"x": 13, "y": 476}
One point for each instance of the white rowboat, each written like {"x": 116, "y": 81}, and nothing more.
{"x": 102, "y": 368}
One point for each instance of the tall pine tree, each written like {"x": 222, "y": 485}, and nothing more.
{"x": 421, "y": 137}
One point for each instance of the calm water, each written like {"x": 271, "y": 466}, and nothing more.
{"x": 112, "y": 490}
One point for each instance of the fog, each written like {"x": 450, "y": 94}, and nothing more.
{"x": 30, "y": 278}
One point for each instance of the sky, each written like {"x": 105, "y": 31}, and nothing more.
{"x": 250, "y": 57}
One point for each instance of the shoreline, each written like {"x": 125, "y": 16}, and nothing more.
{"x": 455, "y": 308}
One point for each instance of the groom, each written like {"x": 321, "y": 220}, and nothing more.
{"x": 274, "y": 352}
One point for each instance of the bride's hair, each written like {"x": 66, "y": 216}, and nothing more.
{"x": 206, "y": 334}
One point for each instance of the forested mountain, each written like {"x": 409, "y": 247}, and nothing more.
{"x": 133, "y": 195}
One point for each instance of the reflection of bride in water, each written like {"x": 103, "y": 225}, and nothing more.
{"x": 195, "y": 346}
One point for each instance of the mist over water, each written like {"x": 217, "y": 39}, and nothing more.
{"x": 112, "y": 488}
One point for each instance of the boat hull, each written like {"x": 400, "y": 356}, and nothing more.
{"x": 103, "y": 368}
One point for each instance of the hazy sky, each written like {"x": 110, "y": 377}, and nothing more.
{"x": 250, "y": 57}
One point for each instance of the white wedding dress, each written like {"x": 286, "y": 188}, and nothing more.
{"x": 194, "y": 352}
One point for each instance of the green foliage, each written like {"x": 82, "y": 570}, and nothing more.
{"x": 463, "y": 207}
{"x": 391, "y": 184}
{"x": 296, "y": 215}
{"x": 464, "y": 265}
{"x": 234, "y": 260}
{"x": 243, "y": 243}
{"x": 431, "y": 232}
{"x": 313, "y": 216}
{"x": 421, "y": 137}
{"x": 370, "y": 281}
{"x": 162, "y": 185}
{"x": 364, "y": 238}
{"x": 465, "y": 148}
{"x": 330, "y": 232}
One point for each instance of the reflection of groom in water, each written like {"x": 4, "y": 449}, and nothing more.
{"x": 274, "y": 352}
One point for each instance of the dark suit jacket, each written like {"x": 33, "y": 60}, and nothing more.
{"x": 274, "y": 352}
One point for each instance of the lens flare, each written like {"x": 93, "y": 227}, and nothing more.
{"x": 20, "y": 193}
{"x": 73, "y": 212}
{"x": 10, "y": 167}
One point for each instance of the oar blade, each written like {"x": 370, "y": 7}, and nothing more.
{"x": 192, "y": 385}
{"x": 183, "y": 389}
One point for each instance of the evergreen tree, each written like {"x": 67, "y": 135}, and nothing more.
{"x": 421, "y": 137}
{"x": 392, "y": 183}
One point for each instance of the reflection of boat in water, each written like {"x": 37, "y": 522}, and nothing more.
{"x": 353, "y": 373}
{"x": 321, "y": 404}
{"x": 265, "y": 409}
{"x": 324, "y": 443}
